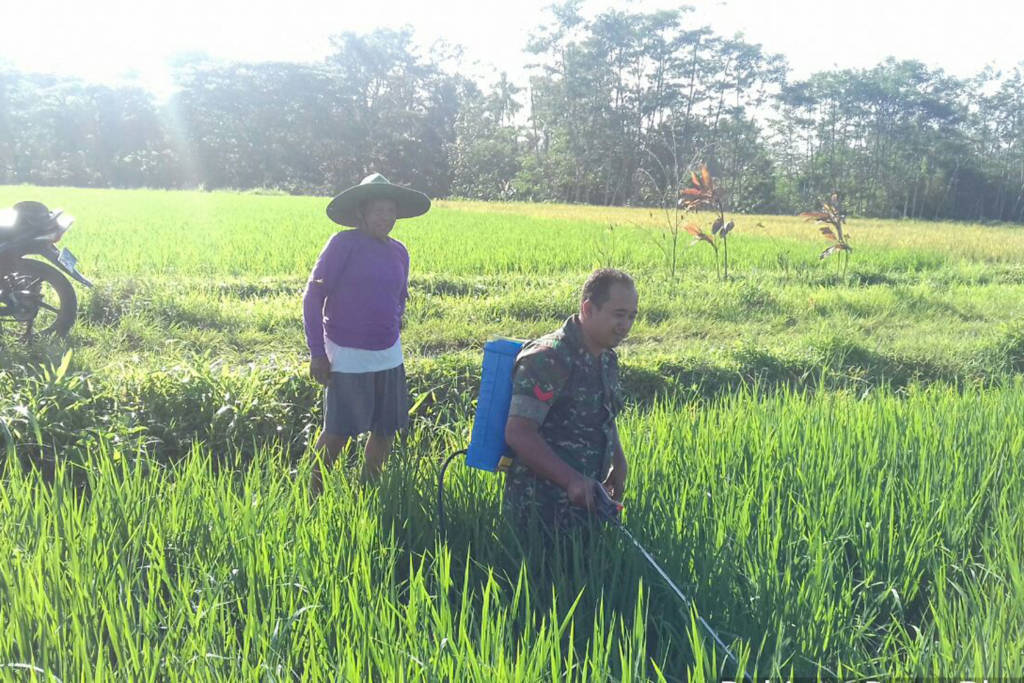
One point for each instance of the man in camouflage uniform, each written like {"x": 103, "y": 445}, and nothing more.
{"x": 565, "y": 396}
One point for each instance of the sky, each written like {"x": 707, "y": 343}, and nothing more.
{"x": 134, "y": 41}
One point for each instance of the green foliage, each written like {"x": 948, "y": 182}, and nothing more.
{"x": 830, "y": 471}
{"x": 230, "y": 572}
{"x": 485, "y": 157}
{"x": 613, "y": 98}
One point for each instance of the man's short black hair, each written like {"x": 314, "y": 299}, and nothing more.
{"x": 597, "y": 288}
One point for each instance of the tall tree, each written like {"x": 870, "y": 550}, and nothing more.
{"x": 485, "y": 154}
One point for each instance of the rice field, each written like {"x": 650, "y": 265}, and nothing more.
{"x": 827, "y": 463}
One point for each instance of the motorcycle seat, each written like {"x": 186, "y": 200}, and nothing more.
{"x": 32, "y": 217}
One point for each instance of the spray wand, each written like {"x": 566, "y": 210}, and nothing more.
{"x": 610, "y": 510}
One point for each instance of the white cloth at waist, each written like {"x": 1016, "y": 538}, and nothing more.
{"x": 349, "y": 359}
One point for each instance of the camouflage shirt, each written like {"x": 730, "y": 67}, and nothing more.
{"x": 574, "y": 397}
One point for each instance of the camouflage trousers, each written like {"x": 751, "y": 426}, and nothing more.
{"x": 530, "y": 501}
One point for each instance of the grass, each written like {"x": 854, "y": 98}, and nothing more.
{"x": 827, "y": 465}
{"x": 851, "y": 532}
{"x": 179, "y": 274}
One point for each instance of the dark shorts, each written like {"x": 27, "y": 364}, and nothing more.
{"x": 357, "y": 402}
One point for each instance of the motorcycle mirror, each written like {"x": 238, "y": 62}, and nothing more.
{"x": 8, "y": 218}
{"x": 64, "y": 220}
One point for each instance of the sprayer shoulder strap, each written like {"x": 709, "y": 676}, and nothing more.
{"x": 543, "y": 370}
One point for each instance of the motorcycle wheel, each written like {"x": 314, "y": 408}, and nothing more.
{"x": 37, "y": 299}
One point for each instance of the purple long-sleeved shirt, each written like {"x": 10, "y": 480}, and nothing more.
{"x": 356, "y": 293}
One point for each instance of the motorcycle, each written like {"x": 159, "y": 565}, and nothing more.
{"x": 35, "y": 297}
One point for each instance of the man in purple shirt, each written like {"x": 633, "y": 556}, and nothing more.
{"x": 352, "y": 311}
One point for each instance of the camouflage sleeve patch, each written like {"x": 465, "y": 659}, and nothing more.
{"x": 529, "y": 408}
{"x": 539, "y": 377}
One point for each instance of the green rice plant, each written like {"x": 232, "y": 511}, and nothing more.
{"x": 831, "y": 474}
{"x": 822, "y": 534}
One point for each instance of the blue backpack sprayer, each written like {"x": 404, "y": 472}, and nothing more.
{"x": 487, "y": 451}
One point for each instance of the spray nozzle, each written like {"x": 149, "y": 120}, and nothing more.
{"x": 605, "y": 507}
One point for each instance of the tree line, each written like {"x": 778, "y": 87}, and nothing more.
{"x": 618, "y": 108}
